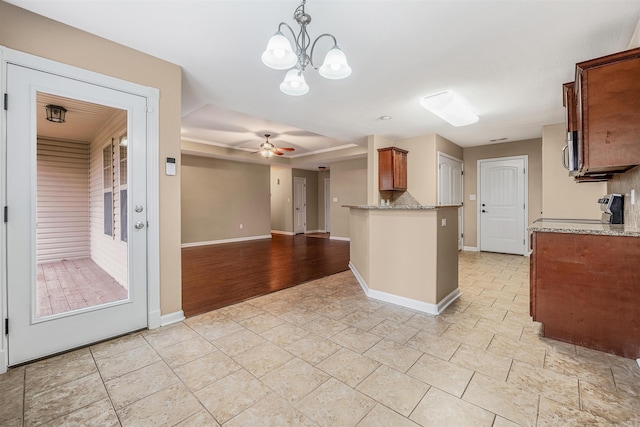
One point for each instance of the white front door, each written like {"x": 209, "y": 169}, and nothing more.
{"x": 53, "y": 301}
{"x": 299, "y": 205}
{"x": 450, "y": 187}
{"x": 502, "y": 205}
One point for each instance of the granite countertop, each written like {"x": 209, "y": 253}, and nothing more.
{"x": 582, "y": 226}
{"x": 400, "y": 207}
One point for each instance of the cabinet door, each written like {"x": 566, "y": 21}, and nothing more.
{"x": 399, "y": 170}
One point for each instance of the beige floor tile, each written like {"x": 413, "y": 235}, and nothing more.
{"x": 519, "y": 306}
{"x": 395, "y": 313}
{"x": 186, "y": 351}
{"x": 473, "y": 337}
{"x": 263, "y": 359}
{"x": 489, "y": 364}
{"x": 122, "y": 363}
{"x": 499, "y": 327}
{"x": 589, "y": 355}
{"x": 118, "y": 345}
{"x": 362, "y": 320}
{"x": 516, "y": 318}
{"x": 533, "y": 338}
{"x": 299, "y": 316}
{"x": 141, "y": 383}
{"x": 214, "y": 329}
{"x": 381, "y": 416}
{"x": 168, "y": 406}
{"x": 313, "y": 349}
{"x": 499, "y": 294}
{"x": 461, "y": 305}
{"x": 573, "y": 366}
{"x": 98, "y": 414}
{"x": 170, "y": 335}
{"x": 619, "y": 408}
{"x": 241, "y": 311}
{"x": 434, "y": 345}
{"x": 394, "y": 389}
{"x": 627, "y": 378}
{"x": 485, "y": 312}
{"x": 479, "y": 299}
{"x": 231, "y": 395}
{"x": 238, "y": 342}
{"x": 445, "y": 375}
{"x": 14, "y": 377}
{"x": 441, "y": 409}
{"x": 58, "y": 370}
{"x": 295, "y": 379}
{"x": 272, "y": 411}
{"x": 503, "y": 422}
{"x": 325, "y": 327}
{"x": 509, "y": 346}
{"x": 12, "y": 400}
{"x": 61, "y": 400}
{"x": 545, "y": 383}
{"x": 335, "y": 404}
{"x": 206, "y": 370}
{"x": 285, "y": 334}
{"x": 349, "y": 367}
{"x": 553, "y": 414}
{"x": 434, "y": 325}
{"x": 394, "y": 331}
{"x": 337, "y": 311}
{"x": 262, "y": 322}
{"x": 200, "y": 419}
{"x": 465, "y": 319}
{"x": 356, "y": 339}
{"x": 506, "y": 400}
{"x": 394, "y": 355}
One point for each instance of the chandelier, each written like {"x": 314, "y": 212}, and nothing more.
{"x": 280, "y": 56}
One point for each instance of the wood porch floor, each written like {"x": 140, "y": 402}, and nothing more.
{"x": 74, "y": 284}
{"x": 215, "y": 276}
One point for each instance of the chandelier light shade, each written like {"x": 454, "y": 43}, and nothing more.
{"x": 280, "y": 55}
{"x": 450, "y": 107}
{"x": 55, "y": 113}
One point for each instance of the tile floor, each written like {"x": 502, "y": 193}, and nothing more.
{"x": 322, "y": 354}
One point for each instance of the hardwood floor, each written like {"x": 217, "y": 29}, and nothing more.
{"x": 215, "y": 276}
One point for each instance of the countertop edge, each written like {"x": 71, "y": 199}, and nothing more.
{"x": 401, "y": 207}
{"x": 620, "y": 232}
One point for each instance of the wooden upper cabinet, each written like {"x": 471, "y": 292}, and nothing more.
{"x": 569, "y": 102}
{"x": 392, "y": 169}
{"x": 608, "y": 112}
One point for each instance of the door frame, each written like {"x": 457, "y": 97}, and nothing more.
{"x": 524, "y": 157}
{"x": 295, "y": 200}
{"x": 10, "y": 56}
{"x": 461, "y": 208}
{"x": 327, "y": 205}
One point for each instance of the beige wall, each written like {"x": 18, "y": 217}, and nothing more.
{"x": 349, "y": 187}
{"x": 311, "y": 178}
{"x": 623, "y": 184}
{"x": 220, "y": 195}
{"x": 562, "y": 197}
{"x": 281, "y": 199}
{"x": 34, "y": 34}
{"x": 532, "y": 148}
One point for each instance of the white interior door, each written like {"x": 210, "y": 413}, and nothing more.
{"x": 299, "y": 205}
{"x": 39, "y": 218}
{"x": 502, "y": 205}
{"x": 327, "y": 205}
{"x": 450, "y": 187}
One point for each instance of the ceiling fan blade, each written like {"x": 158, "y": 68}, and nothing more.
{"x": 278, "y": 153}
{"x": 286, "y": 148}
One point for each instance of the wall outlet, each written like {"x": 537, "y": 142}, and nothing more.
{"x": 335, "y": 200}
{"x": 241, "y": 226}
{"x": 444, "y": 222}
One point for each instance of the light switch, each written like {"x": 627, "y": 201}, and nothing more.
{"x": 444, "y": 222}
{"x": 472, "y": 196}
{"x": 335, "y": 200}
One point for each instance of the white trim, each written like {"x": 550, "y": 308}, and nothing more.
{"x": 470, "y": 249}
{"x": 425, "y": 307}
{"x": 450, "y": 157}
{"x": 345, "y": 239}
{"x": 638, "y": 360}
{"x": 153, "y": 209}
{"x": 287, "y": 233}
{"x": 171, "y": 318}
{"x": 4, "y": 354}
{"x": 524, "y": 157}
{"x": 314, "y": 231}
{"x": 217, "y": 242}
{"x": 4, "y": 361}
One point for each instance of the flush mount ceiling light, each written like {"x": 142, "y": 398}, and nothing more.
{"x": 280, "y": 56}
{"x": 450, "y": 107}
{"x": 55, "y": 113}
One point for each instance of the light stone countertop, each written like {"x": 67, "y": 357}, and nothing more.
{"x": 583, "y": 226}
{"x": 400, "y": 207}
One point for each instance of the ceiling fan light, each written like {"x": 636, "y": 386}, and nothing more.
{"x": 450, "y": 107}
{"x": 294, "y": 83}
{"x": 278, "y": 54}
{"x": 335, "y": 65}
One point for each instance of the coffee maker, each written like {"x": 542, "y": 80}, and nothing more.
{"x": 612, "y": 209}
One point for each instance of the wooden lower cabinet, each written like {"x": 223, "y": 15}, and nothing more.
{"x": 585, "y": 290}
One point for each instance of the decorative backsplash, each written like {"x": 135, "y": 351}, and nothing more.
{"x": 623, "y": 184}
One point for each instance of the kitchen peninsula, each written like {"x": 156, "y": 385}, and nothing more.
{"x": 406, "y": 254}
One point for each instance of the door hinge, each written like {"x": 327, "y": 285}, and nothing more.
{"x": 461, "y": 234}
{"x": 6, "y": 101}
{"x": 524, "y": 206}
{"x": 6, "y": 326}
{"x": 6, "y": 213}
{"x": 461, "y": 172}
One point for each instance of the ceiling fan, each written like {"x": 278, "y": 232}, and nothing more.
{"x": 267, "y": 149}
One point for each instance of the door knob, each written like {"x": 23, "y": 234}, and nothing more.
{"x": 139, "y": 208}
{"x": 139, "y": 225}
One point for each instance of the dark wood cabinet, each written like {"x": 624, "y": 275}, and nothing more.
{"x": 607, "y": 112}
{"x": 392, "y": 169}
{"x": 585, "y": 290}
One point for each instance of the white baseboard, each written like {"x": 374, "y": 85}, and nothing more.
{"x": 4, "y": 361}
{"x": 413, "y": 304}
{"x": 637, "y": 360}
{"x": 470, "y": 249}
{"x": 171, "y": 318}
{"x": 345, "y": 239}
{"x": 217, "y": 242}
{"x": 154, "y": 319}
{"x": 313, "y": 231}
{"x": 286, "y": 233}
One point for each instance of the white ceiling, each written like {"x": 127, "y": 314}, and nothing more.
{"x": 507, "y": 58}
